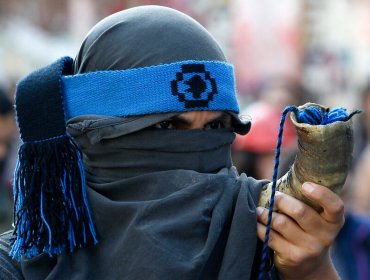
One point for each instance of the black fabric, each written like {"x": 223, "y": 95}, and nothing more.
{"x": 195, "y": 220}
{"x": 39, "y": 104}
{"x": 194, "y": 231}
{"x": 133, "y": 155}
{"x": 145, "y": 36}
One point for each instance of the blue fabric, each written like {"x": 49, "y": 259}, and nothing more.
{"x": 315, "y": 116}
{"x": 351, "y": 250}
{"x": 176, "y": 87}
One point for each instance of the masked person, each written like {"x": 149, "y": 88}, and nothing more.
{"x": 150, "y": 102}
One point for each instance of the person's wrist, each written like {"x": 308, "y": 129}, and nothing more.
{"x": 323, "y": 270}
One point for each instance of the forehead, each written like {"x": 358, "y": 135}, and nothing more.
{"x": 204, "y": 115}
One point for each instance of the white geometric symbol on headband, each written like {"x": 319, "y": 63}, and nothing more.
{"x": 194, "y": 86}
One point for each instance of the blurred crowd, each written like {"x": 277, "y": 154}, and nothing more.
{"x": 285, "y": 53}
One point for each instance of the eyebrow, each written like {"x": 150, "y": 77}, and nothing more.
{"x": 180, "y": 120}
{"x": 221, "y": 117}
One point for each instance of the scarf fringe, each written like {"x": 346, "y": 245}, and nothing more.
{"x": 50, "y": 203}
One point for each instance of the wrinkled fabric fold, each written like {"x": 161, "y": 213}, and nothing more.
{"x": 153, "y": 150}
{"x": 187, "y": 225}
{"x": 189, "y": 218}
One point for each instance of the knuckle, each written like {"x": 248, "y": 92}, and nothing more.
{"x": 297, "y": 257}
{"x": 271, "y": 239}
{"x": 280, "y": 222}
{"x": 327, "y": 240}
{"x": 310, "y": 252}
{"x": 338, "y": 208}
{"x": 299, "y": 212}
{"x": 264, "y": 216}
{"x": 278, "y": 198}
{"x": 314, "y": 249}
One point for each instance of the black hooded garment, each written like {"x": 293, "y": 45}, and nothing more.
{"x": 167, "y": 204}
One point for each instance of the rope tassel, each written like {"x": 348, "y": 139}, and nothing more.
{"x": 51, "y": 208}
{"x": 51, "y": 212}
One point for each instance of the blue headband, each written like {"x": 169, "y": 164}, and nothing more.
{"x": 176, "y": 87}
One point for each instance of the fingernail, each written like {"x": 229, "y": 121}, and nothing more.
{"x": 259, "y": 211}
{"x": 278, "y": 193}
{"x": 308, "y": 187}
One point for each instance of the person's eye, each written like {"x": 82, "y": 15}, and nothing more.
{"x": 215, "y": 125}
{"x": 164, "y": 125}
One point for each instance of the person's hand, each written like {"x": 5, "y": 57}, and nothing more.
{"x": 300, "y": 236}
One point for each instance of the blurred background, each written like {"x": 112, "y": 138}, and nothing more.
{"x": 322, "y": 44}
{"x": 284, "y": 52}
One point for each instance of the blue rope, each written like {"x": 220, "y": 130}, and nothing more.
{"x": 313, "y": 115}
{"x": 272, "y": 198}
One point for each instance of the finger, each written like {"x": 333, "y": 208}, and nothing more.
{"x": 276, "y": 242}
{"x": 287, "y": 253}
{"x": 306, "y": 217}
{"x": 282, "y": 224}
{"x": 331, "y": 203}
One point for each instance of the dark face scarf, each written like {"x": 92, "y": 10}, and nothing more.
{"x": 166, "y": 203}
{"x": 154, "y": 150}
{"x": 162, "y": 209}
